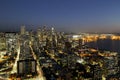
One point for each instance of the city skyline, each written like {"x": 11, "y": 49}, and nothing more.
{"x": 64, "y": 15}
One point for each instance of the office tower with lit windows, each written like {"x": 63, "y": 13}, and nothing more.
{"x": 22, "y": 30}
{"x": 26, "y": 67}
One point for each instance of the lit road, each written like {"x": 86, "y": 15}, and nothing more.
{"x": 39, "y": 70}
{"x": 14, "y": 70}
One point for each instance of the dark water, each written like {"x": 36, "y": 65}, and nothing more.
{"x": 106, "y": 44}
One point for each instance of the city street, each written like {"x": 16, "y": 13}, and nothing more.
{"x": 14, "y": 70}
{"x": 39, "y": 70}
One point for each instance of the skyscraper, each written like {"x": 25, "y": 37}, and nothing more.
{"x": 22, "y": 30}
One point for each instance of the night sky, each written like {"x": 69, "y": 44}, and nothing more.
{"x": 64, "y": 15}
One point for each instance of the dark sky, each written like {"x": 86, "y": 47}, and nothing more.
{"x": 65, "y": 15}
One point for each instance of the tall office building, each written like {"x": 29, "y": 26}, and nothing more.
{"x": 26, "y": 67}
{"x": 54, "y": 38}
{"x": 39, "y": 32}
{"x": 53, "y": 31}
{"x": 22, "y": 30}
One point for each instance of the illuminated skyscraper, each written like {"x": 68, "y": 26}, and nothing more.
{"x": 53, "y": 31}
{"x": 39, "y": 32}
{"x": 26, "y": 67}
{"x": 22, "y": 30}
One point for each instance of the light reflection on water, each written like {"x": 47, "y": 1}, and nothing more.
{"x": 106, "y": 44}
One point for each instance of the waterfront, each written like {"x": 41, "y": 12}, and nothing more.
{"x": 105, "y": 45}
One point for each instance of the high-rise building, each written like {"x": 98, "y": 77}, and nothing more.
{"x": 53, "y": 31}
{"x": 26, "y": 67}
{"x": 22, "y": 30}
{"x": 39, "y": 32}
